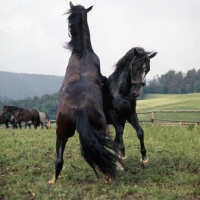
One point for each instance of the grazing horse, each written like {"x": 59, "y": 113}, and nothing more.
{"x": 80, "y": 104}
{"x": 44, "y": 121}
{"x": 121, "y": 89}
{"x": 23, "y": 115}
{"x": 6, "y": 118}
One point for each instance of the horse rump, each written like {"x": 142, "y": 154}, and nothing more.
{"x": 95, "y": 147}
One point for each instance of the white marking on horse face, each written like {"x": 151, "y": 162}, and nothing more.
{"x": 143, "y": 74}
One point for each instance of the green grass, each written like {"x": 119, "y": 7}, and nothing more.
{"x": 155, "y": 102}
{"x": 27, "y": 163}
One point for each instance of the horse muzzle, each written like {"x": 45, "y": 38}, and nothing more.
{"x": 136, "y": 90}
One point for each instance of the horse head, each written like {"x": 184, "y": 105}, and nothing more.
{"x": 139, "y": 67}
{"x": 4, "y": 110}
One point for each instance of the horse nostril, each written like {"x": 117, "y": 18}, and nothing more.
{"x": 135, "y": 94}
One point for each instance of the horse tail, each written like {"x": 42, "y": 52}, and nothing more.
{"x": 94, "y": 146}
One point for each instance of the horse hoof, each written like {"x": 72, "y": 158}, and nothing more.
{"x": 123, "y": 160}
{"x": 108, "y": 180}
{"x": 145, "y": 163}
{"x": 52, "y": 181}
{"x": 119, "y": 166}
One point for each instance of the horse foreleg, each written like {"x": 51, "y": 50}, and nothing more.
{"x": 140, "y": 134}
{"x": 60, "y": 146}
{"x": 118, "y": 140}
{"x": 17, "y": 122}
{"x": 6, "y": 125}
{"x": 41, "y": 124}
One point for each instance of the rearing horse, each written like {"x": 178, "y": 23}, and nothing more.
{"x": 121, "y": 89}
{"x": 80, "y": 104}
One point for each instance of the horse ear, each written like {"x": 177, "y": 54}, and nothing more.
{"x": 139, "y": 51}
{"x": 152, "y": 55}
{"x": 88, "y": 9}
{"x": 71, "y": 4}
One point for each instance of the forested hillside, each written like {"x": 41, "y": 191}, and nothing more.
{"x": 41, "y": 91}
{"x": 20, "y": 86}
{"x": 175, "y": 83}
{"x": 46, "y": 103}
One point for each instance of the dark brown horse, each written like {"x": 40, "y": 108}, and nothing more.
{"x": 80, "y": 105}
{"x": 6, "y": 118}
{"x": 44, "y": 121}
{"x": 121, "y": 89}
{"x": 23, "y": 115}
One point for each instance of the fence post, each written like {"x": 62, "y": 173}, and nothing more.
{"x": 152, "y": 117}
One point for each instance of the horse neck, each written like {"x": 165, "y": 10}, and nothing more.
{"x": 121, "y": 84}
{"x": 14, "y": 110}
{"x": 80, "y": 33}
{"x": 86, "y": 35}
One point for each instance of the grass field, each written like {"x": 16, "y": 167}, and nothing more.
{"x": 27, "y": 164}
{"x": 154, "y": 102}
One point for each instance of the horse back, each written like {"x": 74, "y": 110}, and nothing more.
{"x": 82, "y": 87}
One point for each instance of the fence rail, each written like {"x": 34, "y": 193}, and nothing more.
{"x": 162, "y": 122}
{"x": 170, "y": 122}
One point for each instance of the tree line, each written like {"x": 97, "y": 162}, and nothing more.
{"x": 46, "y": 103}
{"x": 175, "y": 83}
{"x": 170, "y": 83}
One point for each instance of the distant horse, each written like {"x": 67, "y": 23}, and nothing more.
{"x": 29, "y": 123}
{"x": 44, "y": 121}
{"x": 6, "y": 118}
{"x": 23, "y": 115}
{"x": 121, "y": 89}
{"x": 80, "y": 105}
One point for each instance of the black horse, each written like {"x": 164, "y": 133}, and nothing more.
{"x": 80, "y": 105}
{"x": 121, "y": 89}
{"x": 8, "y": 118}
{"x": 22, "y": 114}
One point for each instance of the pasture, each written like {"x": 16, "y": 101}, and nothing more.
{"x": 153, "y": 102}
{"x": 27, "y": 163}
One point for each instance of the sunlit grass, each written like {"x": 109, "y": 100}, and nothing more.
{"x": 155, "y": 102}
{"x": 27, "y": 163}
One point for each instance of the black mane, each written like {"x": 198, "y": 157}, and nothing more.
{"x": 75, "y": 21}
{"x": 126, "y": 60}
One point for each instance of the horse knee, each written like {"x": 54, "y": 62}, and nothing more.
{"x": 140, "y": 134}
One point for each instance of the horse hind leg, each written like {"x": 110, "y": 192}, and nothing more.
{"x": 120, "y": 148}
{"x": 35, "y": 124}
{"x": 60, "y": 146}
{"x": 61, "y": 141}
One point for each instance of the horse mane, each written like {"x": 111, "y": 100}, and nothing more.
{"x": 75, "y": 26}
{"x": 124, "y": 62}
{"x": 15, "y": 108}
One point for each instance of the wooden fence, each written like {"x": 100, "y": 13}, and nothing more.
{"x": 162, "y": 122}
{"x": 170, "y": 122}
